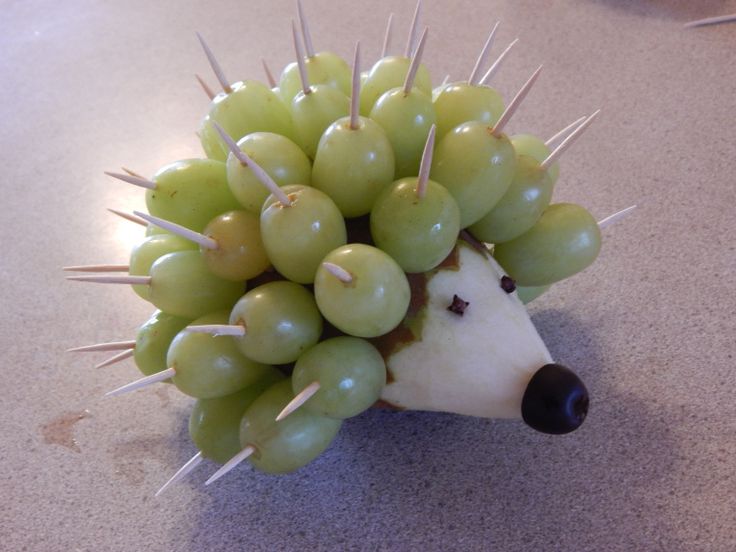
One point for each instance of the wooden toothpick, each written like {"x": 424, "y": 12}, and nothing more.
{"x": 205, "y": 87}
{"x": 416, "y": 60}
{"x": 132, "y": 280}
{"x": 216, "y": 330}
{"x": 355, "y": 94}
{"x": 131, "y": 172}
{"x": 303, "y": 396}
{"x": 230, "y": 464}
{"x": 426, "y": 163}
{"x": 301, "y": 64}
{"x": 473, "y": 79}
{"x": 257, "y": 170}
{"x": 128, "y": 216}
{"x": 552, "y": 142}
{"x": 215, "y": 66}
{"x": 109, "y": 346}
{"x": 710, "y": 21}
{"x": 611, "y": 219}
{"x": 305, "y": 29}
{"x": 445, "y": 81}
{"x": 143, "y": 382}
{"x": 200, "y": 239}
{"x": 411, "y": 40}
{"x": 116, "y": 358}
{"x": 135, "y": 180}
{"x": 338, "y": 272}
{"x": 269, "y": 75}
{"x": 515, "y": 103}
{"x": 182, "y": 472}
{"x": 97, "y": 268}
{"x": 567, "y": 142}
{"x": 387, "y": 36}
{"x": 497, "y": 64}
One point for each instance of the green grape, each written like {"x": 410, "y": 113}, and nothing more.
{"x": 565, "y": 240}
{"x": 153, "y": 230}
{"x": 191, "y": 192}
{"x": 250, "y": 107}
{"x": 520, "y": 207}
{"x": 529, "y": 294}
{"x": 322, "y": 68}
{"x": 390, "y": 72}
{"x": 181, "y": 284}
{"x": 461, "y": 102}
{"x": 353, "y": 166}
{"x": 374, "y": 302}
{"x": 209, "y": 366}
{"x": 351, "y": 375}
{"x": 282, "y": 160}
{"x": 475, "y": 167}
{"x": 149, "y": 251}
{"x": 214, "y": 424}
{"x": 417, "y": 233}
{"x": 153, "y": 340}
{"x": 437, "y": 90}
{"x": 281, "y": 321}
{"x": 240, "y": 254}
{"x": 298, "y": 237}
{"x": 527, "y": 144}
{"x": 406, "y": 120}
{"x": 314, "y": 112}
{"x": 285, "y": 446}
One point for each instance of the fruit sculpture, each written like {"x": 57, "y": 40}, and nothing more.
{"x": 352, "y": 240}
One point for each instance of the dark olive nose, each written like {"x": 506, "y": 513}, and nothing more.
{"x": 555, "y": 400}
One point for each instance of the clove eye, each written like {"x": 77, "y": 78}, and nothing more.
{"x": 555, "y": 400}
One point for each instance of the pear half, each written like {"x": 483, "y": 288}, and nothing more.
{"x": 478, "y": 363}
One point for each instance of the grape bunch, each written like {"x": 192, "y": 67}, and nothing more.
{"x": 300, "y": 269}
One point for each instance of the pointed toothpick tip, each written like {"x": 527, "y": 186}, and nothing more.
{"x": 143, "y": 382}
{"x": 615, "y": 217}
{"x": 497, "y": 64}
{"x": 567, "y": 142}
{"x": 131, "y": 280}
{"x": 355, "y": 95}
{"x": 128, "y": 216}
{"x": 231, "y": 464}
{"x": 304, "y": 24}
{"x": 552, "y": 141}
{"x": 387, "y": 36}
{"x": 515, "y": 103}
{"x": 200, "y": 239}
{"x": 216, "y": 68}
{"x": 135, "y": 180}
{"x": 426, "y": 163}
{"x": 416, "y": 60}
{"x": 109, "y": 346}
{"x": 412, "y": 38}
{"x": 182, "y": 472}
{"x": 301, "y": 65}
{"x": 116, "y": 358}
{"x": 207, "y": 90}
{"x": 269, "y": 75}
{"x": 97, "y": 268}
{"x": 710, "y": 21}
{"x": 303, "y": 396}
{"x": 473, "y": 79}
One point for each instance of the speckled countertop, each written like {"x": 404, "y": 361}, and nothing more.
{"x": 90, "y": 86}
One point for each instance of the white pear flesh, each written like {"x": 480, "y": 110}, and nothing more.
{"x": 477, "y": 364}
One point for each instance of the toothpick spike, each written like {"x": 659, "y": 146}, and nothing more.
{"x": 218, "y": 329}
{"x": 415, "y": 62}
{"x": 128, "y": 216}
{"x": 97, "y": 268}
{"x": 269, "y": 75}
{"x": 205, "y": 87}
{"x": 200, "y": 239}
{"x": 413, "y": 30}
{"x": 338, "y": 272}
{"x": 116, "y": 358}
{"x": 387, "y": 35}
{"x": 132, "y": 280}
{"x": 497, "y": 64}
{"x": 445, "y": 81}
{"x": 109, "y": 346}
{"x": 426, "y": 163}
{"x": 230, "y": 464}
{"x": 216, "y": 69}
{"x": 135, "y": 180}
{"x": 515, "y": 103}
{"x": 355, "y": 95}
{"x": 303, "y": 396}
{"x": 305, "y": 29}
{"x": 615, "y": 217}
{"x": 131, "y": 172}
{"x": 300, "y": 60}
{"x": 710, "y": 21}
{"x": 482, "y": 57}
{"x": 552, "y": 141}
{"x": 182, "y": 472}
{"x": 143, "y": 382}
{"x": 567, "y": 142}
{"x": 257, "y": 170}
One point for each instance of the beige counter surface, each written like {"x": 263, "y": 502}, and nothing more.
{"x": 91, "y": 86}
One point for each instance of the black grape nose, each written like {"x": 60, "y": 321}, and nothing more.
{"x": 555, "y": 400}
